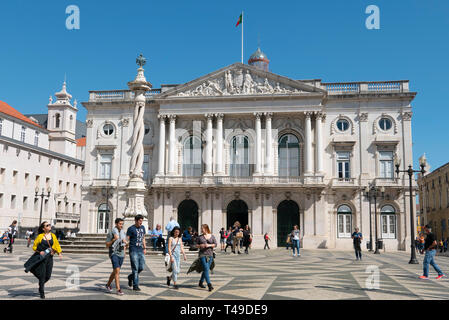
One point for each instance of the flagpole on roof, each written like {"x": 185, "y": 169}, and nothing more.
{"x": 242, "y": 37}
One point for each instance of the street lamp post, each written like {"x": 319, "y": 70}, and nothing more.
{"x": 370, "y": 220}
{"x": 410, "y": 172}
{"x": 371, "y": 191}
{"x": 42, "y": 195}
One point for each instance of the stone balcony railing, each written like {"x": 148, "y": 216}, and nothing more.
{"x": 67, "y": 216}
{"x": 343, "y": 182}
{"x": 104, "y": 183}
{"x": 366, "y": 87}
{"x": 230, "y": 180}
{"x": 118, "y": 95}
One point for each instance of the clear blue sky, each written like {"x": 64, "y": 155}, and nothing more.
{"x": 187, "y": 39}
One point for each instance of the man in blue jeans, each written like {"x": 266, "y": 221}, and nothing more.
{"x": 430, "y": 246}
{"x": 137, "y": 251}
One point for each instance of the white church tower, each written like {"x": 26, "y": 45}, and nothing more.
{"x": 62, "y": 122}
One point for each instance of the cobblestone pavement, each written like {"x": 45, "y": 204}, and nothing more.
{"x": 270, "y": 274}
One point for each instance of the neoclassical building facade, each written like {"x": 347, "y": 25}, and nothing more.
{"x": 245, "y": 144}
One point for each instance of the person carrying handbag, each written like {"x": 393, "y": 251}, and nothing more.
{"x": 41, "y": 262}
{"x": 237, "y": 236}
{"x": 175, "y": 249}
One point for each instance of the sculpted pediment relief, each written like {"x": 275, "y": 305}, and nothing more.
{"x": 239, "y": 79}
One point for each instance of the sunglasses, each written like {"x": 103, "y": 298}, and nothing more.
{"x": 48, "y": 225}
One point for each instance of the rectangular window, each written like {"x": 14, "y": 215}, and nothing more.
{"x": 386, "y": 164}
{"x": 22, "y": 134}
{"x": 46, "y": 205}
{"x": 2, "y": 174}
{"x": 14, "y": 176}
{"x": 60, "y": 186}
{"x": 25, "y": 203}
{"x": 36, "y": 204}
{"x": 47, "y": 183}
{"x": 36, "y": 139}
{"x": 1, "y": 200}
{"x": 74, "y": 208}
{"x": 27, "y": 178}
{"x": 388, "y": 226}
{"x": 74, "y": 189}
{"x": 13, "y": 201}
{"x": 38, "y": 179}
{"x": 343, "y": 165}
{"x": 67, "y": 187}
{"x": 344, "y": 225}
{"x": 145, "y": 166}
{"x": 105, "y": 166}
{"x": 59, "y": 206}
{"x": 1, "y": 126}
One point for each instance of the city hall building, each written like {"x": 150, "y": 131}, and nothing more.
{"x": 245, "y": 144}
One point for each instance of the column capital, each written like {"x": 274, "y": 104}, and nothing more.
{"x": 209, "y": 116}
{"x": 268, "y": 115}
{"x": 320, "y": 115}
{"x": 407, "y": 116}
{"x": 162, "y": 116}
{"x": 258, "y": 115}
{"x": 172, "y": 118}
{"x": 363, "y": 116}
{"x": 219, "y": 116}
{"x": 308, "y": 114}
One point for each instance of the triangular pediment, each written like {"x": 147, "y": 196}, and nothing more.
{"x": 240, "y": 80}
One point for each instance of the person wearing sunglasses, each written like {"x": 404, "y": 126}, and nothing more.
{"x": 45, "y": 245}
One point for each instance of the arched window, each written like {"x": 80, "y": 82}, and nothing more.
{"x": 388, "y": 222}
{"x": 344, "y": 221}
{"x": 192, "y": 165}
{"x": 240, "y": 157}
{"x": 57, "y": 120}
{"x": 288, "y": 155}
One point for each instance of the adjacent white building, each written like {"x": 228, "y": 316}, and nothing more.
{"x": 38, "y": 154}
{"x": 242, "y": 143}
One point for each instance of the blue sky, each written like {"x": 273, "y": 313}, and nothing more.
{"x": 186, "y": 39}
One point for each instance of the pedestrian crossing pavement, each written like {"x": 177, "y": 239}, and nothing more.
{"x": 263, "y": 274}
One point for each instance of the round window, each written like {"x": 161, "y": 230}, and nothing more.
{"x": 342, "y": 124}
{"x": 385, "y": 124}
{"x": 108, "y": 129}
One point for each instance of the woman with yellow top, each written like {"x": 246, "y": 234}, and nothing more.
{"x": 46, "y": 244}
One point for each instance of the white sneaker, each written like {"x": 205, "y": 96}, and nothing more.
{"x": 294, "y": 254}
{"x": 299, "y": 254}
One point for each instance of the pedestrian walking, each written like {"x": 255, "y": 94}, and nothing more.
{"x": 169, "y": 227}
{"x": 12, "y": 234}
{"x": 246, "y": 238}
{"x": 229, "y": 239}
{"x": 116, "y": 242}
{"x": 430, "y": 251}
{"x": 288, "y": 242}
{"x": 266, "y": 238}
{"x": 441, "y": 245}
{"x": 28, "y": 237}
{"x": 41, "y": 262}
{"x": 237, "y": 236}
{"x": 295, "y": 240}
{"x": 445, "y": 245}
{"x": 222, "y": 238}
{"x": 357, "y": 240}
{"x": 206, "y": 244}
{"x": 137, "y": 250}
{"x": 175, "y": 249}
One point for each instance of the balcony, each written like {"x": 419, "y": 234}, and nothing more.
{"x": 387, "y": 182}
{"x": 103, "y": 183}
{"x": 68, "y": 216}
{"x": 343, "y": 182}
{"x": 118, "y": 95}
{"x": 230, "y": 181}
{"x": 366, "y": 87}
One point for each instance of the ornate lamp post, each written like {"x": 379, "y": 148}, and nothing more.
{"x": 42, "y": 195}
{"x": 410, "y": 172}
{"x": 372, "y": 191}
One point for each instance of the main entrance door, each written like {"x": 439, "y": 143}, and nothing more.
{"x": 104, "y": 218}
{"x": 287, "y": 217}
{"x": 188, "y": 215}
{"x": 237, "y": 210}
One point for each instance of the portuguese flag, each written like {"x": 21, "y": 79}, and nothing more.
{"x": 240, "y": 20}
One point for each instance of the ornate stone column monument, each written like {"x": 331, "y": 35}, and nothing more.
{"x": 136, "y": 186}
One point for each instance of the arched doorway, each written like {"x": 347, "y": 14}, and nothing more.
{"x": 188, "y": 215}
{"x": 237, "y": 210}
{"x": 287, "y": 217}
{"x": 104, "y": 218}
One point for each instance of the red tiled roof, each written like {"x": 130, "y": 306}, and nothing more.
{"x": 81, "y": 142}
{"x": 7, "y": 109}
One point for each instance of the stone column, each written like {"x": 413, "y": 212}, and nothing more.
{"x": 319, "y": 142}
{"x": 219, "y": 139}
{"x": 161, "y": 160}
{"x": 135, "y": 189}
{"x": 172, "y": 145}
{"x": 209, "y": 145}
{"x": 257, "y": 169}
{"x": 308, "y": 166}
{"x": 268, "y": 144}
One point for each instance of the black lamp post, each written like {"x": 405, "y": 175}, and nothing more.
{"x": 42, "y": 195}
{"x": 410, "y": 172}
{"x": 371, "y": 191}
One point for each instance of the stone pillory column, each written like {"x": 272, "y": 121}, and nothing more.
{"x": 136, "y": 186}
